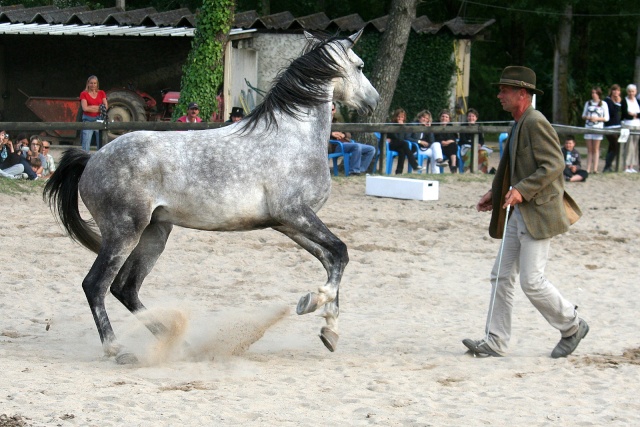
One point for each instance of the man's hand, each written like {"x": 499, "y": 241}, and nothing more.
{"x": 512, "y": 198}
{"x": 484, "y": 205}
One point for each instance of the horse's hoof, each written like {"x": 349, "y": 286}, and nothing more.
{"x": 329, "y": 338}
{"x": 127, "y": 359}
{"x": 307, "y": 304}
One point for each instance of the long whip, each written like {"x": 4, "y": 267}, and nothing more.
{"x": 495, "y": 289}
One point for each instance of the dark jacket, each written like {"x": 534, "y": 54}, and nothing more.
{"x": 614, "y": 112}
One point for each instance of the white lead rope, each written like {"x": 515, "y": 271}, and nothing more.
{"x": 495, "y": 289}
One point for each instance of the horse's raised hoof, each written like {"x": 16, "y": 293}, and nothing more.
{"x": 329, "y": 338}
{"x": 127, "y": 359}
{"x": 307, "y": 304}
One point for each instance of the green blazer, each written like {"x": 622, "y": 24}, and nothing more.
{"x": 535, "y": 170}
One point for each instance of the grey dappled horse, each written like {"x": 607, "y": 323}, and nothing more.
{"x": 269, "y": 170}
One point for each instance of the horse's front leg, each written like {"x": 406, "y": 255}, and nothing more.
{"x": 332, "y": 253}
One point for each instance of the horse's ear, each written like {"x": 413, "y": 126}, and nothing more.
{"x": 310, "y": 38}
{"x": 354, "y": 37}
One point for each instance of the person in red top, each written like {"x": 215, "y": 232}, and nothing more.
{"x": 192, "y": 114}
{"x": 90, "y": 101}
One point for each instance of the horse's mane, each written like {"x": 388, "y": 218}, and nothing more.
{"x": 301, "y": 85}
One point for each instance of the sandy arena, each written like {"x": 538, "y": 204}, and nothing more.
{"x": 417, "y": 284}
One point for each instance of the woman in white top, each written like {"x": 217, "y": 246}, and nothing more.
{"x": 631, "y": 119}
{"x": 595, "y": 112}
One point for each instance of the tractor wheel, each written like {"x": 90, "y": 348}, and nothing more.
{"x": 125, "y": 107}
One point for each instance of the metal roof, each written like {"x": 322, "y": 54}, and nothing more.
{"x": 51, "y": 20}
{"x": 93, "y": 30}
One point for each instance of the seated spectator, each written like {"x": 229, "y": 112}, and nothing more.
{"x": 397, "y": 142}
{"x": 573, "y": 171}
{"x": 466, "y": 144}
{"x": 11, "y": 163}
{"x": 36, "y": 166}
{"x": 361, "y": 154}
{"x": 426, "y": 143}
{"x": 50, "y": 166}
{"x": 21, "y": 145}
{"x": 192, "y": 116}
{"x": 448, "y": 142}
{"x": 35, "y": 150}
{"x": 236, "y": 115}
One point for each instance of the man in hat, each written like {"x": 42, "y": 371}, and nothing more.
{"x": 192, "y": 115}
{"x": 530, "y": 180}
{"x": 236, "y": 115}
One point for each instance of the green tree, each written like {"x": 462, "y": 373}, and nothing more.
{"x": 203, "y": 72}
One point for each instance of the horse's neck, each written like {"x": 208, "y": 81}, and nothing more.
{"x": 314, "y": 124}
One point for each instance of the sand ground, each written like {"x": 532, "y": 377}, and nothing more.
{"x": 416, "y": 285}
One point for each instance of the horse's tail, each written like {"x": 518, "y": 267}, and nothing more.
{"x": 61, "y": 192}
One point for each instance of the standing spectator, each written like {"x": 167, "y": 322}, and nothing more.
{"x": 595, "y": 112}
{"x": 360, "y": 154}
{"x": 50, "y": 166}
{"x": 529, "y": 179}
{"x": 91, "y": 99}
{"x": 237, "y": 114}
{"x": 630, "y": 113}
{"x": 573, "y": 168}
{"x": 426, "y": 142}
{"x": 397, "y": 142}
{"x": 614, "y": 105}
{"x": 448, "y": 142}
{"x": 192, "y": 116}
{"x": 466, "y": 143}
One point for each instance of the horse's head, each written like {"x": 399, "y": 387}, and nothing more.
{"x": 353, "y": 88}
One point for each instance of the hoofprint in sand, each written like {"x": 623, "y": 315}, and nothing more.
{"x": 416, "y": 285}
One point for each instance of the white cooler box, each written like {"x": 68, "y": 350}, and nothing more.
{"x": 401, "y": 188}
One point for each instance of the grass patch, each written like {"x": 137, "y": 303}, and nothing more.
{"x": 19, "y": 186}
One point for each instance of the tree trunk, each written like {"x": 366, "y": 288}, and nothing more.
{"x": 561, "y": 68}
{"x": 391, "y": 54}
{"x": 387, "y": 67}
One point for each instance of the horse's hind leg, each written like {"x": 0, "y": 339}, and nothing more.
{"x": 139, "y": 264}
{"x": 332, "y": 253}
{"x": 112, "y": 255}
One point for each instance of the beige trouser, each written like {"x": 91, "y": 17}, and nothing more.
{"x": 527, "y": 257}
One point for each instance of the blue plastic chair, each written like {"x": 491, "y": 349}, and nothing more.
{"x": 339, "y": 152}
{"x": 391, "y": 154}
{"x": 377, "y": 155}
{"x": 501, "y": 139}
{"x": 422, "y": 157}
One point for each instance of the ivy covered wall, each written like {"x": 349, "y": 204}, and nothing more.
{"x": 425, "y": 77}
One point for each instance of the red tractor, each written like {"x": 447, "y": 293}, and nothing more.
{"x": 125, "y": 105}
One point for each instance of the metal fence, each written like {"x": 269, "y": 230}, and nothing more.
{"x": 382, "y": 128}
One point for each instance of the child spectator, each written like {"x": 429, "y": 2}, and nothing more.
{"x": 36, "y": 166}
{"x": 572, "y": 171}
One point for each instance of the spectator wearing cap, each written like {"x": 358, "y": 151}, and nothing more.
{"x": 236, "y": 115}
{"x": 192, "y": 115}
